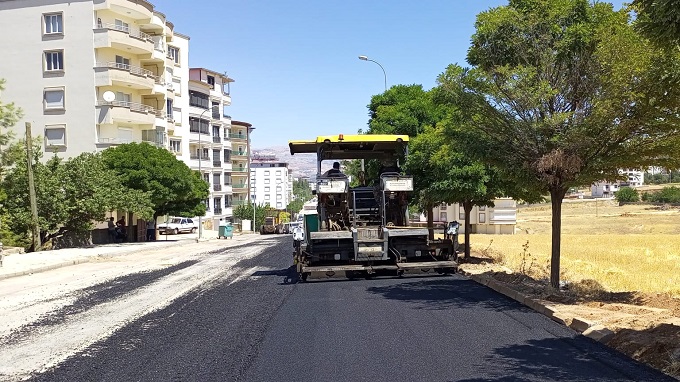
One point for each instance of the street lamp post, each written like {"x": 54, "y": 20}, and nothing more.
{"x": 364, "y": 58}
{"x": 200, "y": 156}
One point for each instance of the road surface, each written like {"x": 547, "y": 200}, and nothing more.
{"x": 237, "y": 314}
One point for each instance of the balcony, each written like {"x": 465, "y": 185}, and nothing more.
{"x": 201, "y": 157}
{"x": 117, "y": 74}
{"x": 217, "y": 211}
{"x": 239, "y": 171}
{"x": 217, "y": 163}
{"x": 217, "y": 187}
{"x": 239, "y": 186}
{"x": 126, "y": 112}
{"x": 239, "y": 155}
{"x": 239, "y": 202}
{"x": 122, "y": 38}
{"x": 217, "y": 139}
{"x": 139, "y": 10}
{"x": 241, "y": 137}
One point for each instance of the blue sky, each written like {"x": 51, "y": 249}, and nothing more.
{"x": 296, "y": 63}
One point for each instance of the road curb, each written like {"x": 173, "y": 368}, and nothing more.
{"x": 87, "y": 259}
{"x": 589, "y": 329}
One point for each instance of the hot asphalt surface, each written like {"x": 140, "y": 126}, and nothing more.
{"x": 267, "y": 327}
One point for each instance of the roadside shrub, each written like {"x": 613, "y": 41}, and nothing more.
{"x": 627, "y": 195}
{"x": 666, "y": 195}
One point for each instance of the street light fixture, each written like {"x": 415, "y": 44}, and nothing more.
{"x": 364, "y": 58}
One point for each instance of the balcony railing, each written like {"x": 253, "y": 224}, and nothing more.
{"x": 239, "y": 153}
{"x": 238, "y": 202}
{"x": 217, "y": 163}
{"x": 217, "y": 139}
{"x": 133, "y": 106}
{"x": 241, "y": 170}
{"x": 238, "y": 136}
{"x": 196, "y": 130}
{"x": 126, "y": 29}
{"x": 239, "y": 186}
{"x": 136, "y": 70}
{"x": 216, "y": 115}
{"x": 217, "y": 187}
{"x": 197, "y": 157}
{"x": 217, "y": 210}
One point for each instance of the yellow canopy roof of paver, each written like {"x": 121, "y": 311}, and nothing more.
{"x": 361, "y": 146}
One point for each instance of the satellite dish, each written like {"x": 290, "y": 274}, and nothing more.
{"x": 109, "y": 96}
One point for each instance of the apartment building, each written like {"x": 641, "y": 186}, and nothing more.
{"x": 88, "y": 74}
{"x": 271, "y": 182}
{"x": 240, "y": 160}
{"x": 607, "y": 189}
{"x": 207, "y": 138}
{"x": 92, "y": 74}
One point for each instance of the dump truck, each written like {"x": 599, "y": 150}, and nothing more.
{"x": 363, "y": 230}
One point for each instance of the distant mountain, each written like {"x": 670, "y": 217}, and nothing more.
{"x": 299, "y": 164}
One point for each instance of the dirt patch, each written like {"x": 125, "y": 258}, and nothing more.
{"x": 646, "y": 326}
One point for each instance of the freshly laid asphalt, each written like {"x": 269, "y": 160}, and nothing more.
{"x": 267, "y": 327}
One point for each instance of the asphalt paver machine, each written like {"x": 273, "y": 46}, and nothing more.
{"x": 363, "y": 231}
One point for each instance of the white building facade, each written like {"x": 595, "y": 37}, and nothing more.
{"x": 606, "y": 189}
{"x": 271, "y": 182}
{"x": 500, "y": 219}
{"x": 93, "y": 74}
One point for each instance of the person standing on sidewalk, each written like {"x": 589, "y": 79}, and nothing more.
{"x": 150, "y": 231}
{"x": 111, "y": 230}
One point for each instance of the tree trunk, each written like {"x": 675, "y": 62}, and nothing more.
{"x": 556, "y": 196}
{"x": 467, "y": 207}
{"x": 430, "y": 220}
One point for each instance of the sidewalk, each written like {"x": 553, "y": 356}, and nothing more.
{"x": 34, "y": 262}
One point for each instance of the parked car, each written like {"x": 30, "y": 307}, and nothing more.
{"x": 178, "y": 225}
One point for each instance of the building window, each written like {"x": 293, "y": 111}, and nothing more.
{"x": 173, "y": 54}
{"x": 266, "y": 181}
{"x": 278, "y": 172}
{"x": 198, "y": 125}
{"x": 55, "y": 135}
{"x": 53, "y": 99}
{"x": 53, "y": 23}
{"x": 199, "y": 99}
{"x": 442, "y": 217}
{"x": 175, "y": 145}
{"x": 168, "y": 108}
{"x": 279, "y": 197}
{"x": 279, "y": 205}
{"x": 54, "y": 60}
{"x": 122, "y": 63}
{"x": 211, "y": 81}
{"x": 279, "y": 189}
{"x": 461, "y": 213}
{"x": 266, "y": 173}
{"x": 266, "y": 197}
{"x": 122, "y": 26}
{"x": 482, "y": 217}
{"x": 482, "y": 208}
{"x": 266, "y": 189}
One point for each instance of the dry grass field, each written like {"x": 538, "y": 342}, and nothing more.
{"x": 624, "y": 249}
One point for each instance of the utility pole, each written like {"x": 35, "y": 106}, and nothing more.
{"x": 31, "y": 189}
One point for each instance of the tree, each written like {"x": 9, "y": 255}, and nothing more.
{"x": 564, "y": 94}
{"x": 659, "y": 21}
{"x": 245, "y": 212}
{"x": 9, "y": 115}
{"x": 173, "y": 187}
{"x": 71, "y": 196}
{"x": 627, "y": 195}
{"x": 301, "y": 190}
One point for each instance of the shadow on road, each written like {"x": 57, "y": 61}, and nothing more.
{"x": 563, "y": 359}
{"x": 446, "y": 293}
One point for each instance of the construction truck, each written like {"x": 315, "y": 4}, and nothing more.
{"x": 363, "y": 231}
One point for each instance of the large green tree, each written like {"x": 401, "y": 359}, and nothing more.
{"x": 245, "y": 212}
{"x": 9, "y": 115}
{"x": 564, "y": 94}
{"x": 659, "y": 20}
{"x": 71, "y": 196}
{"x": 173, "y": 187}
